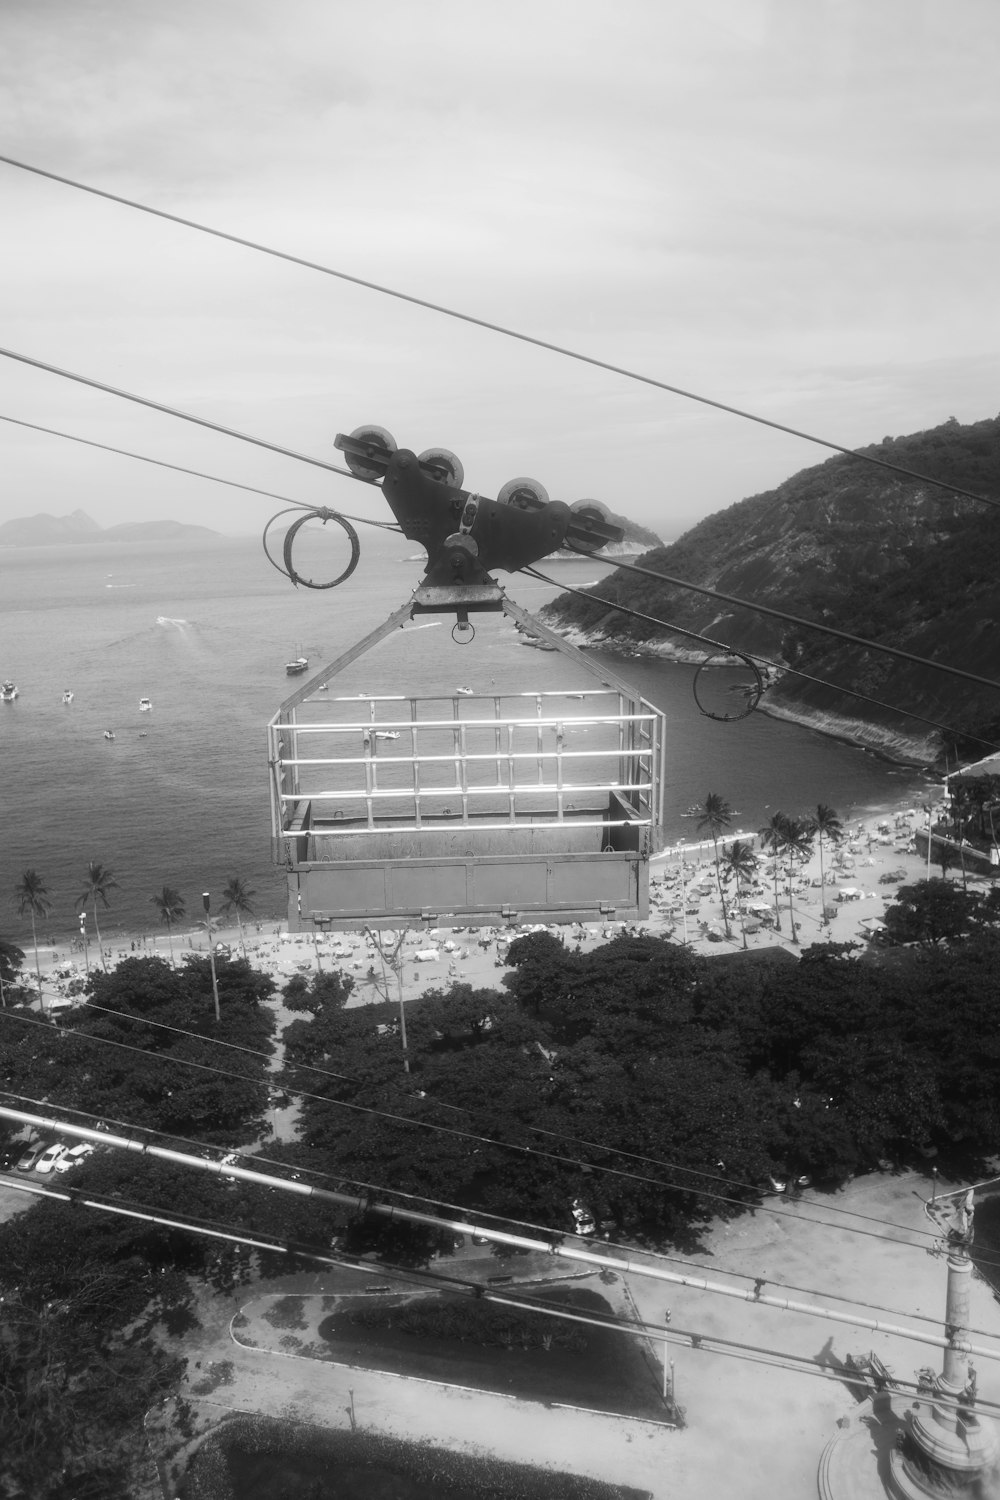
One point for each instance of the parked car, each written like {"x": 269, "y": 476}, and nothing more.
{"x": 8, "y": 1158}
{"x": 29, "y": 1156}
{"x": 50, "y": 1157}
{"x": 74, "y": 1156}
{"x": 583, "y": 1219}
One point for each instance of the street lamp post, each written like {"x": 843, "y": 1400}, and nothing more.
{"x": 86, "y": 947}
{"x": 206, "y": 902}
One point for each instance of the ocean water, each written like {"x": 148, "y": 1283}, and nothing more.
{"x": 180, "y": 796}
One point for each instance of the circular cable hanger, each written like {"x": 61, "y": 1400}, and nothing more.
{"x": 286, "y": 566}
{"x": 752, "y": 692}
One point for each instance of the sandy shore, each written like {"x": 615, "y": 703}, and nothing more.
{"x": 862, "y": 876}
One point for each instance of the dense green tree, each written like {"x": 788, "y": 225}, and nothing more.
{"x": 170, "y": 905}
{"x": 716, "y": 817}
{"x": 11, "y": 963}
{"x": 143, "y": 1050}
{"x": 932, "y": 912}
{"x": 32, "y": 899}
{"x": 99, "y": 882}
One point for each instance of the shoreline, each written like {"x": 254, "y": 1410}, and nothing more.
{"x": 871, "y": 735}
{"x": 861, "y": 876}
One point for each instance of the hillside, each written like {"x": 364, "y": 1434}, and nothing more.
{"x": 856, "y": 547}
{"x": 44, "y": 530}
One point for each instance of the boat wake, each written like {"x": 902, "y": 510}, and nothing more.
{"x": 166, "y": 623}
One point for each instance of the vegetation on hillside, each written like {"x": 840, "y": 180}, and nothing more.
{"x": 850, "y": 545}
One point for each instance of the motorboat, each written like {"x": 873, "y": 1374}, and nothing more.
{"x": 145, "y": 704}
{"x": 299, "y": 665}
{"x": 109, "y": 734}
{"x": 8, "y": 692}
{"x": 67, "y": 696}
{"x": 466, "y": 692}
{"x": 387, "y": 734}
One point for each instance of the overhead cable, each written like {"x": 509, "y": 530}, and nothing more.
{"x": 524, "y": 338}
{"x": 173, "y": 411}
{"x": 561, "y": 1248}
{"x": 781, "y": 614}
{"x": 667, "y": 625}
{"x": 423, "y": 1097}
{"x": 162, "y": 463}
{"x": 446, "y": 1130}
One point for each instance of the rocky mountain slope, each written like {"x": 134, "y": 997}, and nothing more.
{"x": 844, "y": 543}
{"x": 44, "y": 530}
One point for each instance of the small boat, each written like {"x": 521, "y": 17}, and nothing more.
{"x": 8, "y": 692}
{"x": 143, "y": 735}
{"x": 145, "y": 704}
{"x": 466, "y": 692}
{"x": 67, "y": 696}
{"x": 387, "y": 734}
{"x": 109, "y": 734}
{"x": 294, "y": 668}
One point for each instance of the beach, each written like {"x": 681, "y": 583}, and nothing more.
{"x": 754, "y": 1429}
{"x": 861, "y": 876}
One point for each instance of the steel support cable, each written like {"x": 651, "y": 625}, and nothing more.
{"x": 173, "y": 411}
{"x": 571, "y": 1140}
{"x": 98, "y": 1135}
{"x": 780, "y": 614}
{"x": 621, "y": 1264}
{"x": 162, "y": 463}
{"x": 533, "y": 1151}
{"x": 679, "y": 1338}
{"x": 627, "y": 609}
{"x": 511, "y": 333}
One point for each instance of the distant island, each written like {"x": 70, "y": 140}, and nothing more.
{"x": 873, "y": 553}
{"x": 44, "y": 530}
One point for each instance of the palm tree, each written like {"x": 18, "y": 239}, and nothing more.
{"x": 740, "y": 864}
{"x": 797, "y": 845}
{"x": 716, "y": 816}
{"x": 236, "y": 898}
{"x": 99, "y": 882}
{"x": 772, "y": 838}
{"x": 170, "y": 904}
{"x": 825, "y": 825}
{"x": 32, "y": 899}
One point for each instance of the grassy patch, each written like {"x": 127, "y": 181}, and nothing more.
{"x": 254, "y": 1458}
{"x": 456, "y": 1341}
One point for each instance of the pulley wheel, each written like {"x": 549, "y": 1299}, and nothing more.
{"x": 724, "y": 691}
{"x": 382, "y": 443}
{"x": 442, "y": 465}
{"x": 526, "y": 494}
{"x": 584, "y": 511}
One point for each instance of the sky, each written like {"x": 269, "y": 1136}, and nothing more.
{"x": 788, "y": 206}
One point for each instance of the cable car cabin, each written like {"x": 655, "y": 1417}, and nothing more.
{"x": 489, "y": 802}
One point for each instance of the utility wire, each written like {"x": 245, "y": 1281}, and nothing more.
{"x": 627, "y": 609}
{"x": 198, "y": 473}
{"x": 451, "y": 1131}
{"x": 423, "y": 1096}
{"x": 172, "y": 411}
{"x": 672, "y": 1337}
{"x": 780, "y": 614}
{"x": 524, "y": 338}
{"x": 673, "y": 1260}
{"x": 663, "y": 577}
{"x": 584, "y": 1256}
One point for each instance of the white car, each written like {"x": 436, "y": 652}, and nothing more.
{"x": 74, "y": 1156}
{"x": 50, "y": 1158}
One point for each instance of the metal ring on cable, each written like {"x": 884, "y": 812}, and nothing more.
{"x": 324, "y": 515}
{"x": 753, "y": 693}
{"x": 463, "y": 633}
